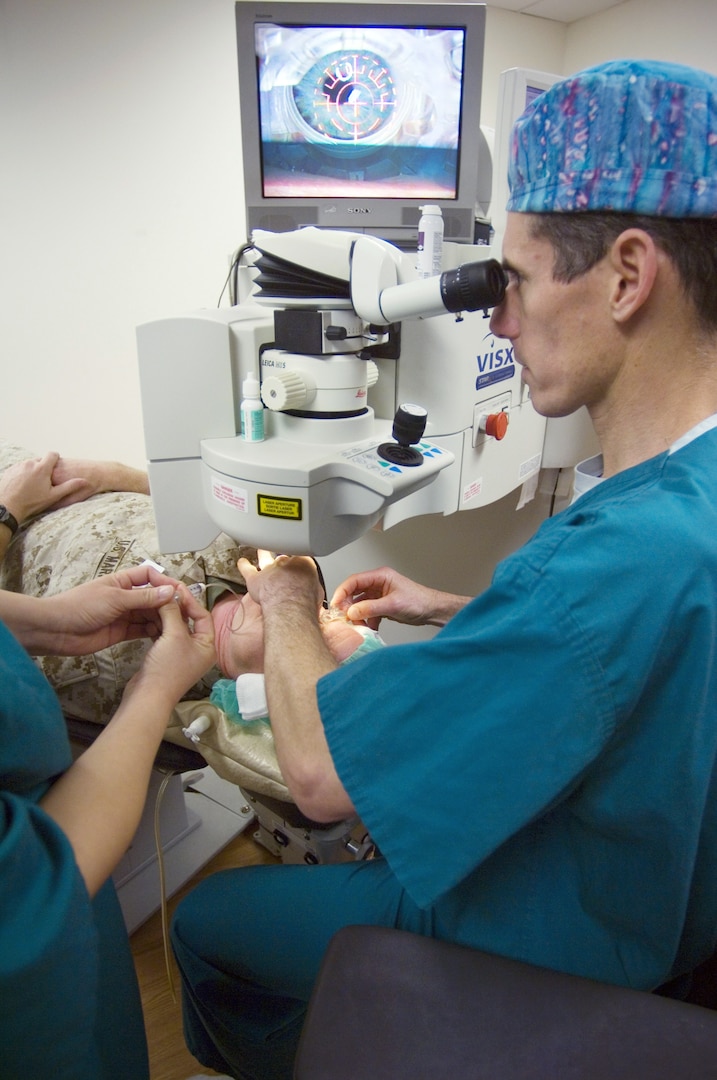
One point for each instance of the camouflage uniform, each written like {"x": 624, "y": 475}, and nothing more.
{"x": 62, "y": 548}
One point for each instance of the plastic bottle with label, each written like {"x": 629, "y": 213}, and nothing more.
{"x": 251, "y": 411}
{"x": 429, "y": 256}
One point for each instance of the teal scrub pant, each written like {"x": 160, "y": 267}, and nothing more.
{"x": 249, "y": 943}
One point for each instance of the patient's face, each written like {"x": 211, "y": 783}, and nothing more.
{"x": 239, "y": 636}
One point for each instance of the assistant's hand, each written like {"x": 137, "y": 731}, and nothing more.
{"x": 27, "y": 488}
{"x": 180, "y": 656}
{"x": 373, "y": 595}
{"x": 102, "y": 612}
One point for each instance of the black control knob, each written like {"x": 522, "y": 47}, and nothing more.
{"x": 409, "y": 423}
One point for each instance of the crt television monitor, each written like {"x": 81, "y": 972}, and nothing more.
{"x": 517, "y": 89}
{"x": 354, "y": 115}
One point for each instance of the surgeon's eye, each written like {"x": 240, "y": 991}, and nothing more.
{"x": 514, "y": 278}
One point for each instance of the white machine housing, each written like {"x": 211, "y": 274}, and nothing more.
{"x": 318, "y": 481}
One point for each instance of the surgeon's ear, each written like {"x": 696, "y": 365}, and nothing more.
{"x": 634, "y": 259}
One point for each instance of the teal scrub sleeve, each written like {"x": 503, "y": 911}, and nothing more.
{"x": 473, "y": 733}
{"x": 503, "y": 715}
{"x": 55, "y": 976}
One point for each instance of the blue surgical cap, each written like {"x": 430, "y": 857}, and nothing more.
{"x": 636, "y": 136}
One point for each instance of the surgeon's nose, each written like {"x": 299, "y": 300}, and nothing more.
{"x": 502, "y": 324}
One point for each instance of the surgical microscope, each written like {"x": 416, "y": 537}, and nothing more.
{"x": 385, "y": 396}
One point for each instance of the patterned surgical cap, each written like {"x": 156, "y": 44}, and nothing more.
{"x": 637, "y": 136}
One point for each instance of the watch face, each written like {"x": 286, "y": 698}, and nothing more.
{"x": 348, "y": 95}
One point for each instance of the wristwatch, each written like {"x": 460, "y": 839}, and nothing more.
{"x": 6, "y": 518}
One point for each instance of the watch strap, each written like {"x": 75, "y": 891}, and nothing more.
{"x": 6, "y": 518}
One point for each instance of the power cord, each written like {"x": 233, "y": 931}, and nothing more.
{"x": 231, "y": 280}
{"x": 162, "y": 882}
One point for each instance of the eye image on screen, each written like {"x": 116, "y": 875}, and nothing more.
{"x": 370, "y": 112}
{"x": 347, "y": 96}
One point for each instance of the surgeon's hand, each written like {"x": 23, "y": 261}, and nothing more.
{"x": 90, "y": 617}
{"x": 283, "y": 579}
{"x": 373, "y": 595}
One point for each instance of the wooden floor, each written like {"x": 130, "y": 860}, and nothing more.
{"x": 169, "y": 1058}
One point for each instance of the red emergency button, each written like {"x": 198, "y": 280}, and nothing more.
{"x": 496, "y": 424}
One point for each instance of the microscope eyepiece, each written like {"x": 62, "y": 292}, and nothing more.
{"x": 473, "y": 286}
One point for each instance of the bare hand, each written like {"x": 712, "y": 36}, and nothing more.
{"x": 282, "y": 579}
{"x": 27, "y": 488}
{"x": 106, "y": 611}
{"x": 100, "y": 476}
{"x": 183, "y": 652}
{"x": 373, "y": 595}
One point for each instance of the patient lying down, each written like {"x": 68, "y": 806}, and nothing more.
{"x": 79, "y": 520}
{"x": 239, "y": 630}
{"x": 231, "y": 730}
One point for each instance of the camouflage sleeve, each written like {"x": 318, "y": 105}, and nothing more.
{"x": 62, "y": 548}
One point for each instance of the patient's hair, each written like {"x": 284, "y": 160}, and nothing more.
{"x": 581, "y": 240}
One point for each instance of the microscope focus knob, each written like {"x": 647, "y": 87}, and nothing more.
{"x": 371, "y": 373}
{"x": 286, "y": 390}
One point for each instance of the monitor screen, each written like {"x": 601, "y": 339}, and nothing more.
{"x": 517, "y": 89}
{"x": 355, "y": 115}
{"x": 346, "y": 110}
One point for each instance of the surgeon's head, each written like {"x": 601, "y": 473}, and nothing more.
{"x": 628, "y": 136}
{"x": 627, "y": 145}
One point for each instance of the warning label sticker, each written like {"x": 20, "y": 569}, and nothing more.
{"x": 231, "y": 496}
{"x": 271, "y": 506}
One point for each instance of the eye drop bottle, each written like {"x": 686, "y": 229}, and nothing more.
{"x": 429, "y": 255}
{"x": 251, "y": 411}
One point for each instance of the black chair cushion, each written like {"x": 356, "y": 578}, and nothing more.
{"x": 169, "y": 757}
{"x": 389, "y": 1005}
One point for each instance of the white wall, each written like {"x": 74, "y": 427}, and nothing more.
{"x": 121, "y": 196}
{"x": 514, "y": 40}
{"x": 682, "y": 32}
{"x": 120, "y": 199}
{"x": 120, "y": 202}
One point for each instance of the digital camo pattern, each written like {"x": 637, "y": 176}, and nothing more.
{"x": 63, "y": 548}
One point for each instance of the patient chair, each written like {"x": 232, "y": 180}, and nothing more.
{"x": 170, "y": 758}
{"x": 281, "y": 827}
{"x": 390, "y": 1005}
{"x": 245, "y": 755}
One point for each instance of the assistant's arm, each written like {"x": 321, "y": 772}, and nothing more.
{"x": 295, "y": 658}
{"x": 384, "y": 594}
{"x": 98, "y": 802}
{"x": 90, "y": 617}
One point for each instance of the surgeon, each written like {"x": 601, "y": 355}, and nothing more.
{"x": 540, "y": 775}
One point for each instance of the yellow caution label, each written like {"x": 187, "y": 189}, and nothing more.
{"x": 271, "y": 506}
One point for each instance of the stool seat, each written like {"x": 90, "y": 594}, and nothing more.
{"x": 390, "y": 1005}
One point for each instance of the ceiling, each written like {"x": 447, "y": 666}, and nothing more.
{"x": 566, "y": 11}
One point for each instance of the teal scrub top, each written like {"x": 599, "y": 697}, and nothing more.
{"x": 540, "y": 775}
{"x": 70, "y": 1005}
